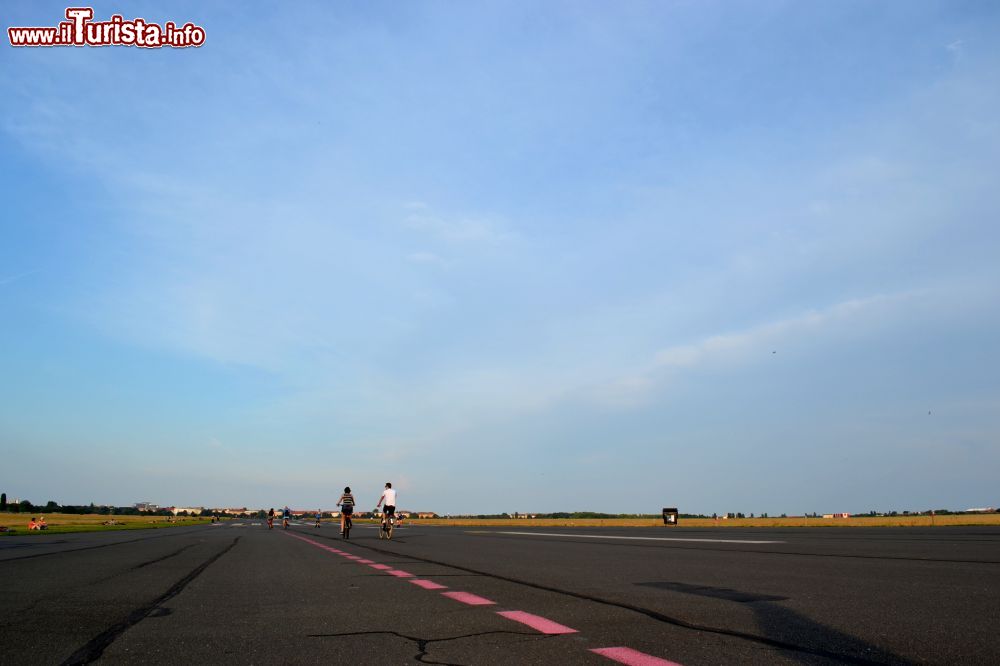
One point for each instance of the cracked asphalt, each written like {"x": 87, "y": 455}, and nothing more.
{"x": 239, "y": 594}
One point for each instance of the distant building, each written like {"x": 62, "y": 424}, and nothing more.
{"x": 146, "y": 506}
{"x": 191, "y": 510}
{"x": 426, "y": 514}
{"x": 836, "y": 515}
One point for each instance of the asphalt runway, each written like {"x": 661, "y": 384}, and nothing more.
{"x": 236, "y": 593}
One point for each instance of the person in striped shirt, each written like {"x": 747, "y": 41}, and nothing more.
{"x": 346, "y": 503}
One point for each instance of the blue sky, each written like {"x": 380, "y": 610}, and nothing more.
{"x": 510, "y": 256}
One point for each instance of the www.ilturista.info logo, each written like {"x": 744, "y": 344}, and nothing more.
{"x": 81, "y": 30}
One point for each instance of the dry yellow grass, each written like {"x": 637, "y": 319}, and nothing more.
{"x": 59, "y": 522}
{"x": 881, "y": 521}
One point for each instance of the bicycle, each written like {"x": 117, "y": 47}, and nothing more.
{"x": 385, "y": 530}
{"x": 347, "y": 526}
{"x": 284, "y": 522}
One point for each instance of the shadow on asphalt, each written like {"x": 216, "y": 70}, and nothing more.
{"x": 781, "y": 624}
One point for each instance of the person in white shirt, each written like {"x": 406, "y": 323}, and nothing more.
{"x": 389, "y": 497}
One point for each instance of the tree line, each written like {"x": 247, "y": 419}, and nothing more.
{"x": 25, "y": 506}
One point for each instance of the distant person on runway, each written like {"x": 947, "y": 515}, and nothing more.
{"x": 270, "y": 519}
{"x": 319, "y": 515}
{"x": 286, "y": 515}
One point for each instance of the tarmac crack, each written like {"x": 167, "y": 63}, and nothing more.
{"x": 62, "y": 593}
{"x": 102, "y": 545}
{"x": 652, "y": 614}
{"x": 423, "y": 643}
{"x": 164, "y": 557}
{"x": 96, "y": 646}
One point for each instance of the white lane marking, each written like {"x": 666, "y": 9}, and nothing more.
{"x": 637, "y": 538}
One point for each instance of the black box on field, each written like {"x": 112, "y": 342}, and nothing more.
{"x": 669, "y": 516}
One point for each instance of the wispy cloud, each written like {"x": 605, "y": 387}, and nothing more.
{"x": 425, "y": 258}
{"x": 752, "y": 344}
{"x": 14, "y": 278}
{"x": 768, "y": 337}
{"x": 475, "y": 229}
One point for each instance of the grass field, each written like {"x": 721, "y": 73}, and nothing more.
{"x": 881, "y": 521}
{"x": 64, "y": 522}
{"x": 60, "y": 523}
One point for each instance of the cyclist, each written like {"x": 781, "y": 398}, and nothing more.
{"x": 270, "y": 519}
{"x": 319, "y": 515}
{"x": 346, "y": 503}
{"x": 389, "y": 496}
{"x": 286, "y": 515}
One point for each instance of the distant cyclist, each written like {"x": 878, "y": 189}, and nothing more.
{"x": 270, "y": 519}
{"x": 346, "y": 503}
{"x": 389, "y": 497}
{"x": 319, "y": 516}
{"x": 286, "y": 515}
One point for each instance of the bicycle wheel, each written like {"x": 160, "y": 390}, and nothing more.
{"x": 347, "y": 528}
{"x": 388, "y": 528}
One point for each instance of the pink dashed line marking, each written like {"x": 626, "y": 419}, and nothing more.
{"x": 630, "y": 657}
{"x": 469, "y": 598}
{"x": 622, "y": 655}
{"x": 300, "y": 538}
{"x": 544, "y": 625}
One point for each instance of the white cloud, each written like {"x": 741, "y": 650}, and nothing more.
{"x": 767, "y": 338}
{"x": 756, "y": 343}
